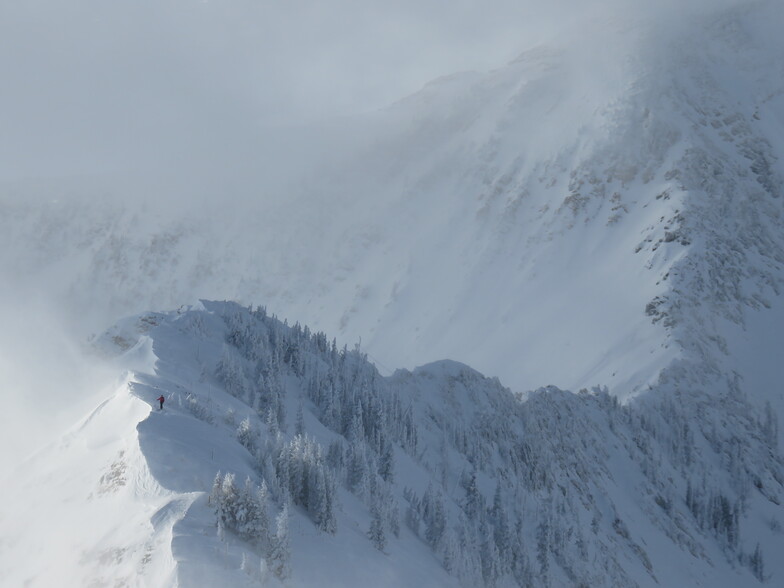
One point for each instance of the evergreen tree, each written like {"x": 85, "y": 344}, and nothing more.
{"x": 299, "y": 427}
{"x": 543, "y": 547}
{"x": 433, "y": 516}
{"x": 376, "y": 532}
{"x": 244, "y": 510}
{"x": 328, "y": 521}
{"x": 247, "y": 435}
{"x": 356, "y": 476}
{"x": 335, "y": 456}
{"x": 260, "y": 523}
{"x": 413, "y": 511}
{"x": 474, "y": 502}
{"x": 757, "y": 564}
{"x": 386, "y": 462}
{"x": 280, "y": 553}
{"x": 355, "y": 432}
{"x": 770, "y": 428}
{"x": 230, "y": 373}
{"x": 221, "y": 531}
{"x": 228, "y": 503}
{"x": 488, "y": 554}
{"x": 272, "y": 421}
{"x": 394, "y": 519}
{"x": 294, "y": 455}
{"x": 501, "y": 532}
{"x": 215, "y": 495}
{"x": 320, "y": 502}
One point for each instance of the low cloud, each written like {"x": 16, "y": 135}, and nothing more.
{"x": 91, "y": 86}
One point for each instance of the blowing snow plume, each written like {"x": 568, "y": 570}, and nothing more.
{"x": 531, "y": 220}
{"x": 92, "y": 87}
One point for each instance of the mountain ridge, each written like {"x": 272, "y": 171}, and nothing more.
{"x": 470, "y": 202}
{"x": 578, "y": 220}
{"x": 579, "y": 478}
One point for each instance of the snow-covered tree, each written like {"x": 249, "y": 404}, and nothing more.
{"x": 247, "y": 435}
{"x": 376, "y": 532}
{"x": 280, "y": 552}
{"x": 228, "y": 502}
{"x": 433, "y": 516}
{"x": 386, "y": 462}
{"x": 546, "y": 456}
{"x": 231, "y": 374}
{"x": 474, "y": 501}
{"x": 299, "y": 426}
{"x": 757, "y": 564}
{"x": 357, "y": 469}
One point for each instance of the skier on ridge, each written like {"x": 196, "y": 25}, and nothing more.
{"x": 161, "y": 399}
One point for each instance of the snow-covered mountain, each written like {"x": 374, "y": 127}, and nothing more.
{"x": 591, "y": 214}
{"x": 278, "y": 458}
{"x": 520, "y": 220}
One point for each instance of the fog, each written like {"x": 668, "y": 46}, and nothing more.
{"x": 91, "y": 86}
{"x": 164, "y": 100}
{"x": 48, "y": 379}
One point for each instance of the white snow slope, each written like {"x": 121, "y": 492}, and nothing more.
{"x": 519, "y": 220}
{"x": 583, "y": 216}
{"x": 484, "y": 488}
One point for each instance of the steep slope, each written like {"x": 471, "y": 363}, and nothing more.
{"x": 87, "y": 510}
{"x": 565, "y": 196}
{"x": 437, "y": 477}
{"x": 584, "y": 215}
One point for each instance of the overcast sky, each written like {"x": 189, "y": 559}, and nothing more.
{"x": 96, "y": 85}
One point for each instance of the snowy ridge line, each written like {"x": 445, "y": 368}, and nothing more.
{"x": 105, "y": 525}
{"x": 441, "y": 475}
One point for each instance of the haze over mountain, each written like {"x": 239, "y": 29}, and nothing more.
{"x": 484, "y": 212}
{"x": 603, "y": 210}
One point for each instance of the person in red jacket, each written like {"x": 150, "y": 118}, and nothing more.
{"x": 161, "y": 399}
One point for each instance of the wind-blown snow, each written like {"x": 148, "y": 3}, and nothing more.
{"x": 520, "y": 220}
{"x": 574, "y": 218}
